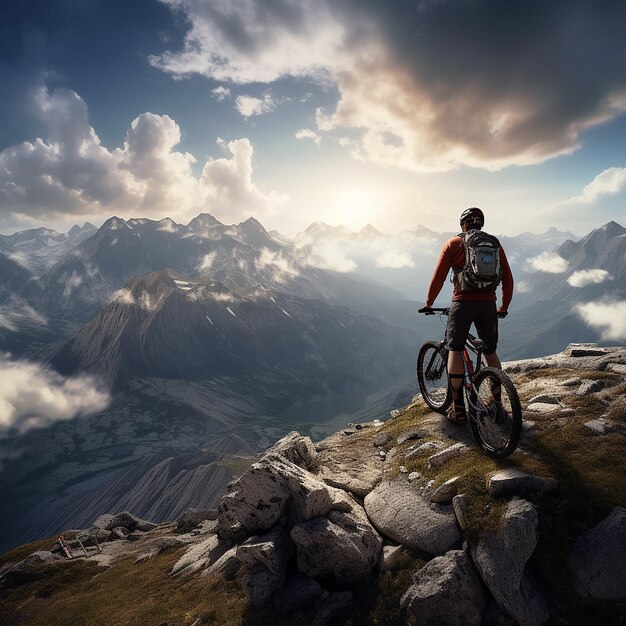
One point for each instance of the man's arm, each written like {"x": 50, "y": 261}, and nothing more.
{"x": 507, "y": 282}
{"x": 439, "y": 275}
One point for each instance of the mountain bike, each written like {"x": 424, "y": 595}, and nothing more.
{"x": 491, "y": 400}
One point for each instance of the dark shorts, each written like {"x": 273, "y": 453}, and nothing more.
{"x": 462, "y": 314}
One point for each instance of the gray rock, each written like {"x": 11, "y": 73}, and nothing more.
{"x": 382, "y": 439}
{"x": 359, "y": 483}
{"x": 600, "y": 426}
{"x": 411, "y": 433}
{"x": 162, "y": 544}
{"x": 199, "y": 555}
{"x": 448, "y": 453}
{"x": 120, "y": 532}
{"x": 446, "y": 592}
{"x": 501, "y": 559}
{"x": 90, "y": 536}
{"x": 227, "y": 565}
{"x": 297, "y": 449}
{"x": 598, "y": 559}
{"x": 445, "y": 492}
{"x": 460, "y": 505}
{"x": 618, "y": 368}
{"x": 584, "y": 349}
{"x": 543, "y": 407}
{"x": 124, "y": 519}
{"x": 342, "y": 547}
{"x": 299, "y": 592}
{"x": 265, "y": 558}
{"x": 428, "y": 446}
{"x": 330, "y": 609}
{"x": 390, "y": 558}
{"x": 544, "y": 398}
{"x": 401, "y": 514}
{"x": 571, "y": 382}
{"x": 268, "y": 490}
{"x": 145, "y": 526}
{"x": 191, "y": 518}
{"x": 515, "y": 482}
{"x": 589, "y": 387}
{"x": 28, "y": 569}
{"x": 208, "y": 527}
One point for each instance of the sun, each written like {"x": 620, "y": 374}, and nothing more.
{"x": 355, "y": 207}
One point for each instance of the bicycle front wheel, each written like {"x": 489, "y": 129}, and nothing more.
{"x": 496, "y": 415}
{"x": 432, "y": 376}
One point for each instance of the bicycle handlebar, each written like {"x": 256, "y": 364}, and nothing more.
{"x": 445, "y": 311}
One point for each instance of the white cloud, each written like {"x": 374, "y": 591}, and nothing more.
{"x": 607, "y": 182}
{"x": 523, "y": 286}
{"x": 227, "y": 186}
{"x": 124, "y": 296}
{"x": 307, "y": 133}
{"x": 70, "y": 173}
{"x": 331, "y": 255}
{"x": 17, "y": 312}
{"x": 588, "y": 277}
{"x": 249, "y": 106}
{"x": 606, "y": 315}
{"x": 411, "y": 106}
{"x": 168, "y": 225}
{"x": 548, "y": 262}
{"x": 221, "y": 93}
{"x": 32, "y": 396}
{"x": 395, "y": 259}
{"x": 277, "y": 260}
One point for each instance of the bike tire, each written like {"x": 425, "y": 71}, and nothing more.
{"x": 497, "y": 426}
{"x": 433, "y": 384}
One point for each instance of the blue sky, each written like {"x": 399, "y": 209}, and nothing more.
{"x": 353, "y": 112}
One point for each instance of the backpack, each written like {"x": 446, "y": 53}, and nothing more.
{"x": 482, "y": 271}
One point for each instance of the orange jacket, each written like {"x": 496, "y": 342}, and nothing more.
{"x": 453, "y": 255}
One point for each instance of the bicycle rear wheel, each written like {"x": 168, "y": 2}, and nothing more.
{"x": 432, "y": 376}
{"x": 496, "y": 414}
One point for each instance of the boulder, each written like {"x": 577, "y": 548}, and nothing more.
{"x": 200, "y": 555}
{"x": 447, "y": 592}
{"x": 265, "y": 558}
{"x": 119, "y": 532}
{"x": 145, "y": 526}
{"x": 330, "y": 609}
{"x": 226, "y": 566}
{"x": 598, "y": 559}
{"x": 515, "y": 482}
{"x": 411, "y": 433}
{"x": 401, "y": 514}
{"x": 446, "y": 491}
{"x": 589, "y": 387}
{"x": 90, "y": 536}
{"x": 544, "y": 398}
{"x": 269, "y": 489}
{"x": 501, "y": 559}
{"x": 460, "y": 506}
{"x": 448, "y": 453}
{"x": 124, "y": 519}
{"x": 342, "y": 547}
{"x": 28, "y": 569}
{"x": 359, "y": 481}
{"x": 543, "y": 407}
{"x": 299, "y": 592}
{"x": 382, "y": 439}
{"x": 297, "y": 449}
{"x": 191, "y": 518}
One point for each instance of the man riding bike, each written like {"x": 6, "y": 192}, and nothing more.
{"x": 473, "y": 299}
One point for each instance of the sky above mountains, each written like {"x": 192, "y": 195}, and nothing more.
{"x": 293, "y": 111}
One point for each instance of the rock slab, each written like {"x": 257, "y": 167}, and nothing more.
{"x": 401, "y": 514}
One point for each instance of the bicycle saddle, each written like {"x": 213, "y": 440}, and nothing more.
{"x": 479, "y": 344}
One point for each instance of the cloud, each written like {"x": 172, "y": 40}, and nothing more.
{"x": 423, "y": 88}
{"x": 207, "y": 261}
{"x": 583, "y": 278}
{"x": 608, "y": 182}
{"x": 70, "y": 174}
{"x": 548, "y": 262}
{"x": 395, "y": 260}
{"x": 228, "y": 186}
{"x": 307, "y": 133}
{"x": 608, "y": 316}
{"x": 32, "y": 396}
{"x": 249, "y": 106}
{"x": 277, "y": 260}
{"x": 17, "y": 312}
{"x": 221, "y": 93}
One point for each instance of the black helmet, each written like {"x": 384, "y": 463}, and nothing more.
{"x": 474, "y": 216}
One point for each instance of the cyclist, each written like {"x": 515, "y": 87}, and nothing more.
{"x": 468, "y": 306}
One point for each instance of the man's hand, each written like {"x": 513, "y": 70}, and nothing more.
{"x": 427, "y": 310}
{"x": 501, "y": 313}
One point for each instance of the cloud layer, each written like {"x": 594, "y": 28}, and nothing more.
{"x": 583, "y": 278}
{"x": 548, "y": 262}
{"x": 32, "y": 396}
{"x": 420, "y": 83}
{"x": 70, "y": 174}
{"x": 610, "y": 317}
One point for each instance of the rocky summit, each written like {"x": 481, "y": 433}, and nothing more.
{"x": 384, "y": 522}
